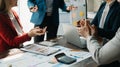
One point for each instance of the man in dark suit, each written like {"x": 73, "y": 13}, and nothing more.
{"x": 107, "y": 19}
{"x": 107, "y": 22}
{"x": 46, "y": 13}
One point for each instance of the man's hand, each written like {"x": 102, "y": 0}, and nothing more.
{"x": 84, "y": 30}
{"x": 34, "y": 9}
{"x": 71, "y": 8}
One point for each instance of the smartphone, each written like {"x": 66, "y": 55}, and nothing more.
{"x": 61, "y": 57}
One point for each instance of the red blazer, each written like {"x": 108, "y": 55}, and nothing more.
{"x": 8, "y": 35}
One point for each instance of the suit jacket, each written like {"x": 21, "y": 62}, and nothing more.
{"x": 37, "y": 17}
{"x": 8, "y": 35}
{"x": 112, "y": 22}
{"x": 105, "y": 54}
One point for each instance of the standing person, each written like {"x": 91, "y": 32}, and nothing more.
{"x": 102, "y": 55}
{"x": 11, "y": 34}
{"x": 46, "y": 13}
{"x": 107, "y": 19}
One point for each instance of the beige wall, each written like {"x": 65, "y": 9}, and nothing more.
{"x": 90, "y": 4}
{"x": 97, "y": 4}
{"x": 93, "y": 5}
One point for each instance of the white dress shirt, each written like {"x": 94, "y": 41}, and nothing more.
{"x": 105, "y": 13}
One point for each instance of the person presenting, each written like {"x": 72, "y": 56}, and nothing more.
{"x": 11, "y": 33}
{"x": 46, "y": 13}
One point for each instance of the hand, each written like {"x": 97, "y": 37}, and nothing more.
{"x": 84, "y": 30}
{"x": 34, "y": 9}
{"x": 71, "y": 7}
{"x": 82, "y": 22}
{"x": 94, "y": 33}
{"x": 37, "y": 31}
{"x": 93, "y": 30}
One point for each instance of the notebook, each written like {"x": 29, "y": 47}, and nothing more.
{"x": 72, "y": 36}
{"x": 39, "y": 49}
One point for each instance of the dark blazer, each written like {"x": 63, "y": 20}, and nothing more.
{"x": 8, "y": 35}
{"x": 37, "y": 17}
{"x": 112, "y": 22}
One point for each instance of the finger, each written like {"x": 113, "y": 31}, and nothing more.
{"x": 86, "y": 24}
{"x": 39, "y": 34}
{"x": 88, "y": 21}
{"x": 37, "y": 27}
{"x": 82, "y": 23}
{"x": 80, "y": 30}
{"x": 93, "y": 27}
{"x": 44, "y": 29}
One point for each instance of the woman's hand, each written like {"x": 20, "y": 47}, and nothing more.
{"x": 37, "y": 31}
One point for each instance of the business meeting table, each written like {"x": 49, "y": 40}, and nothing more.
{"x": 18, "y": 58}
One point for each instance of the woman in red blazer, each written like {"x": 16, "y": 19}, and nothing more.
{"x": 11, "y": 35}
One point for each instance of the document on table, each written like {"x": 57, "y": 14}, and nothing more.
{"x": 39, "y": 49}
{"x": 23, "y": 60}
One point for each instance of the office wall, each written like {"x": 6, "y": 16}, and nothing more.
{"x": 93, "y": 5}
{"x": 90, "y": 5}
{"x": 97, "y": 4}
{"x": 25, "y": 15}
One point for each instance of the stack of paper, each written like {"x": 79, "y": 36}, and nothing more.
{"x": 48, "y": 43}
{"x": 44, "y": 50}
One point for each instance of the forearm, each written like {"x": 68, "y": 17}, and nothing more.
{"x": 93, "y": 47}
{"x": 106, "y": 54}
{"x": 15, "y": 41}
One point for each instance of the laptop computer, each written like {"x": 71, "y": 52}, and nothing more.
{"x": 72, "y": 36}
